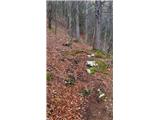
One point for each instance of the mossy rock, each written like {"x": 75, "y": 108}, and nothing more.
{"x": 92, "y": 70}
{"x": 101, "y": 54}
{"x": 101, "y": 67}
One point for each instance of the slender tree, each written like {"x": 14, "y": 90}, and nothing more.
{"x": 86, "y": 22}
{"x": 77, "y": 21}
{"x": 70, "y": 22}
{"x": 98, "y": 11}
{"x": 49, "y": 14}
{"x": 55, "y": 17}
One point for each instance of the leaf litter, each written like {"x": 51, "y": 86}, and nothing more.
{"x": 68, "y": 66}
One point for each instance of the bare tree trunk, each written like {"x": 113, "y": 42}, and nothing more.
{"x": 66, "y": 12}
{"x": 86, "y": 23}
{"x": 49, "y": 14}
{"x": 77, "y": 22}
{"x": 92, "y": 42}
{"x": 49, "y": 23}
{"x": 97, "y": 42}
{"x": 70, "y": 22}
{"x": 55, "y": 17}
{"x": 63, "y": 9}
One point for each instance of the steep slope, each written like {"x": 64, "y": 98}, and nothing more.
{"x": 72, "y": 93}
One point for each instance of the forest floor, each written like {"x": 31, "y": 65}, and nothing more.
{"x": 72, "y": 92}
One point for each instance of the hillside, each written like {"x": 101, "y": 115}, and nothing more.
{"x": 73, "y": 93}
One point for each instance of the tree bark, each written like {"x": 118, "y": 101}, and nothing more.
{"x": 86, "y": 22}
{"x": 49, "y": 14}
{"x": 70, "y": 22}
{"x": 55, "y": 17}
{"x": 49, "y": 24}
{"x": 97, "y": 42}
{"x": 77, "y": 22}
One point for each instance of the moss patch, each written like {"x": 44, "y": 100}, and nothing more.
{"x": 85, "y": 92}
{"x": 101, "y": 67}
{"x": 49, "y": 76}
{"x": 92, "y": 70}
{"x": 101, "y": 54}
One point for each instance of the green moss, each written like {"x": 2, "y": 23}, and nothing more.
{"x": 49, "y": 76}
{"x": 101, "y": 67}
{"x": 109, "y": 55}
{"x": 93, "y": 70}
{"x": 100, "y": 54}
{"x": 85, "y": 92}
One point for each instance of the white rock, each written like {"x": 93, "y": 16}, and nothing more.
{"x": 98, "y": 90}
{"x": 92, "y": 55}
{"x": 89, "y": 56}
{"x": 101, "y": 95}
{"x": 89, "y": 71}
{"x": 91, "y": 63}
